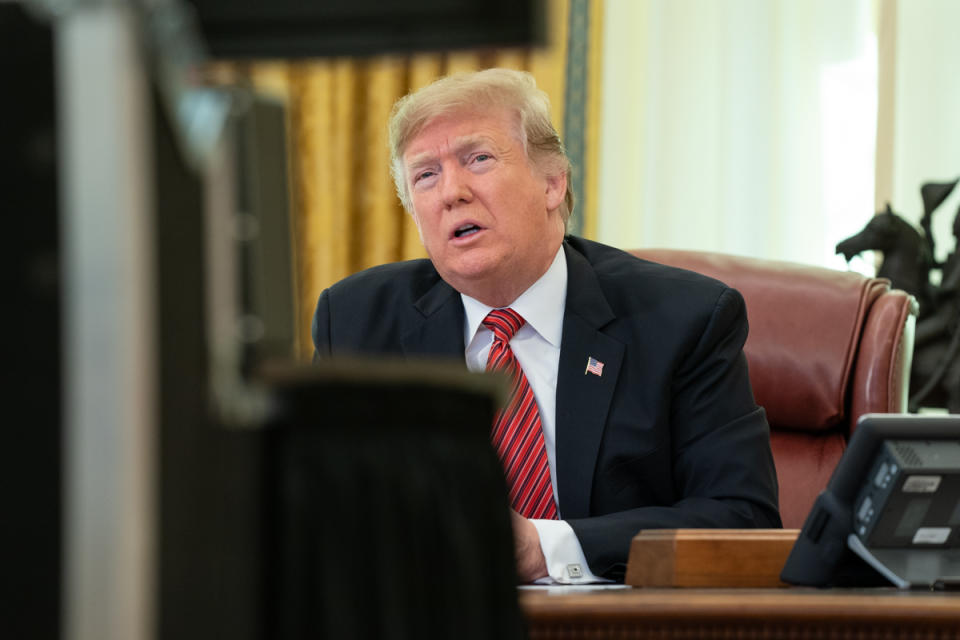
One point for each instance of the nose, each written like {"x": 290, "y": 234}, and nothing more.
{"x": 455, "y": 187}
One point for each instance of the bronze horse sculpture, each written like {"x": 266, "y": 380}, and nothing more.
{"x": 908, "y": 259}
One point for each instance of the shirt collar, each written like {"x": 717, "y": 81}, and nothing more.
{"x": 541, "y": 305}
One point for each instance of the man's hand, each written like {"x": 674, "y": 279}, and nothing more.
{"x": 531, "y": 564}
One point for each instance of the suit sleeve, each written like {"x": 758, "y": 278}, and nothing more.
{"x": 320, "y": 329}
{"x": 722, "y": 467}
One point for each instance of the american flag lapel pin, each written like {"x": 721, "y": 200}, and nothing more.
{"x": 594, "y": 366}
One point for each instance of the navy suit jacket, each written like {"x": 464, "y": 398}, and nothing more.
{"x": 668, "y": 436}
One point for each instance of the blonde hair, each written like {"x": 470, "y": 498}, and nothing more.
{"x": 513, "y": 90}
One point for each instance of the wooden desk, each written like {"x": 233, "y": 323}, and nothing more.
{"x": 793, "y": 613}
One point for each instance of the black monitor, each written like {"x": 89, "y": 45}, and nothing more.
{"x": 891, "y": 511}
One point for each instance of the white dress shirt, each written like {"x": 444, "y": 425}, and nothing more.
{"x": 537, "y": 347}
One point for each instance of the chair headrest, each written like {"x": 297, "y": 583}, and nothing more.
{"x": 805, "y": 327}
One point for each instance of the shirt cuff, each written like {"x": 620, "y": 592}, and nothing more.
{"x": 566, "y": 563}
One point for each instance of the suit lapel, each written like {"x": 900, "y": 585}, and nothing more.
{"x": 583, "y": 398}
{"x": 437, "y": 326}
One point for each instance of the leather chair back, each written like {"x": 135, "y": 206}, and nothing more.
{"x": 824, "y": 348}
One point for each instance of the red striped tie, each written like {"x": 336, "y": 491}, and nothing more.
{"x": 517, "y": 434}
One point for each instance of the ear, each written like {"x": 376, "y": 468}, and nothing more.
{"x": 556, "y": 190}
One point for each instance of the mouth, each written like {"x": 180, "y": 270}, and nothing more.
{"x": 466, "y": 230}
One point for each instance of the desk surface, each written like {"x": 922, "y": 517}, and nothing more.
{"x": 742, "y": 613}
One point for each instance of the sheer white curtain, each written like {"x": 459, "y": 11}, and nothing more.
{"x": 924, "y": 110}
{"x": 743, "y": 126}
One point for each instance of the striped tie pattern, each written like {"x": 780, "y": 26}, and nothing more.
{"x": 517, "y": 433}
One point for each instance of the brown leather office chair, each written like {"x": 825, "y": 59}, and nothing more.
{"x": 824, "y": 348}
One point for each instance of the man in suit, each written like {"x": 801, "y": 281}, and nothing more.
{"x": 644, "y": 414}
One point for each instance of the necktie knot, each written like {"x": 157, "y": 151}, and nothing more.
{"x": 504, "y": 323}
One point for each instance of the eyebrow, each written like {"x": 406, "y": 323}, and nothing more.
{"x": 460, "y": 145}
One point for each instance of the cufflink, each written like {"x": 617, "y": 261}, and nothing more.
{"x": 574, "y": 571}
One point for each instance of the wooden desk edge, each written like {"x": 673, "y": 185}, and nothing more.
{"x": 738, "y": 604}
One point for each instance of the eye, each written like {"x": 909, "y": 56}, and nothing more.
{"x": 480, "y": 161}
{"x": 423, "y": 175}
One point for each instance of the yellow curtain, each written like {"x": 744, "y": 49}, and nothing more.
{"x": 346, "y": 215}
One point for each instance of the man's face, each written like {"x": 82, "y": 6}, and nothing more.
{"x": 489, "y": 221}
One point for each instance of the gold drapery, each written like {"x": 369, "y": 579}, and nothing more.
{"x": 346, "y": 215}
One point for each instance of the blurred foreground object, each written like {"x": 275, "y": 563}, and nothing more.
{"x": 384, "y": 509}
{"x": 296, "y": 29}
